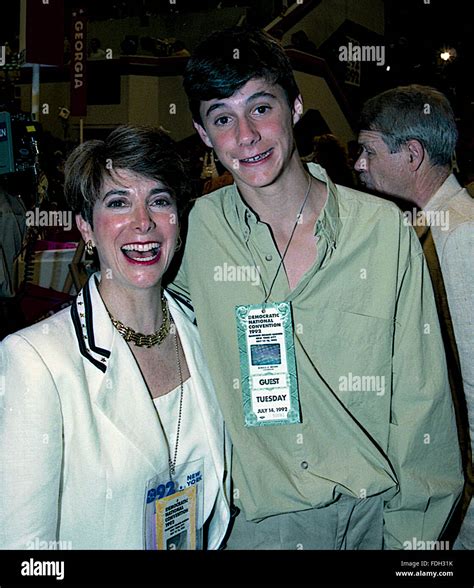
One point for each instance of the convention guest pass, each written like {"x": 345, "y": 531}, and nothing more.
{"x": 267, "y": 364}
{"x": 174, "y": 509}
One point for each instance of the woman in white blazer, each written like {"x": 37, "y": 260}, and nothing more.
{"x": 109, "y": 438}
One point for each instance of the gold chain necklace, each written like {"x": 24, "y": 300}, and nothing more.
{"x": 141, "y": 340}
{"x": 172, "y": 462}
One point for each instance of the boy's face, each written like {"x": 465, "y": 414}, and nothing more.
{"x": 251, "y": 131}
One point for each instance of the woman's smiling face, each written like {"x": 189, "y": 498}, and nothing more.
{"x": 135, "y": 229}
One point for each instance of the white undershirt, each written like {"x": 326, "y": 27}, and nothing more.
{"x": 193, "y": 440}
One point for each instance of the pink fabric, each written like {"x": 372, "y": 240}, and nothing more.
{"x": 43, "y": 245}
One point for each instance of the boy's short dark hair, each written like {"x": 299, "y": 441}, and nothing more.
{"x": 226, "y": 60}
{"x": 142, "y": 150}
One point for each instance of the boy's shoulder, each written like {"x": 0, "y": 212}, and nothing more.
{"x": 350, "y": 202}
{"x": 216, "y": 201}
{"x": 365, "y": 201}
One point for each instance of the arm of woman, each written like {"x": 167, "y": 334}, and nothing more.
{"x": 31, "y": 448}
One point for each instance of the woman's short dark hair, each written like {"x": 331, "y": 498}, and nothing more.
{"x": 142, "y": 150}
{"x": 226, "y": 60}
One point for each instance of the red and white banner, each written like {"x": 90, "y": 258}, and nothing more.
{"x": 79, "y": 63}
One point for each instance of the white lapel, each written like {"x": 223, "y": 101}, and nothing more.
{"x": 115, "y": 382}
{"x": 202, "y": 380}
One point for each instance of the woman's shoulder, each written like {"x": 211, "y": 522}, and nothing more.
{"x": 52, "y": 334}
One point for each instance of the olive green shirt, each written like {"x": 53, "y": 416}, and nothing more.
{"x": 377, "y": 415}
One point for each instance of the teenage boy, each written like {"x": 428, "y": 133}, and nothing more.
{"x": 319, "y": 326}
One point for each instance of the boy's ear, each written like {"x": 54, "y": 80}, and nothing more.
{"x": 85, "y": 229}
{"x": 202, "y": 133}
{"x": 297, "y": 109}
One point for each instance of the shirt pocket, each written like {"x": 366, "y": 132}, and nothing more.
{"x": 361, "y": 364}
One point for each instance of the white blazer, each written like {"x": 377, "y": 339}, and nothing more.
{"x": 80, "y": 436}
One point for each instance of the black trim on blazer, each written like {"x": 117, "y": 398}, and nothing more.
{"x": 82, "y": 347}
{"x": 181, "y": 300}
{"x": 89, "y": 325}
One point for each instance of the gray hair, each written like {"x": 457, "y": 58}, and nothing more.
{"x": 413, "y": 112}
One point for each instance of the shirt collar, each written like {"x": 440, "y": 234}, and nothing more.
{"x": 440, "y": 198}
{"x": 328, "y": 222}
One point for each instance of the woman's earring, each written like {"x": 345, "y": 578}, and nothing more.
{"x": 89, "y": 248}
{"x": 179, "y": 243}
